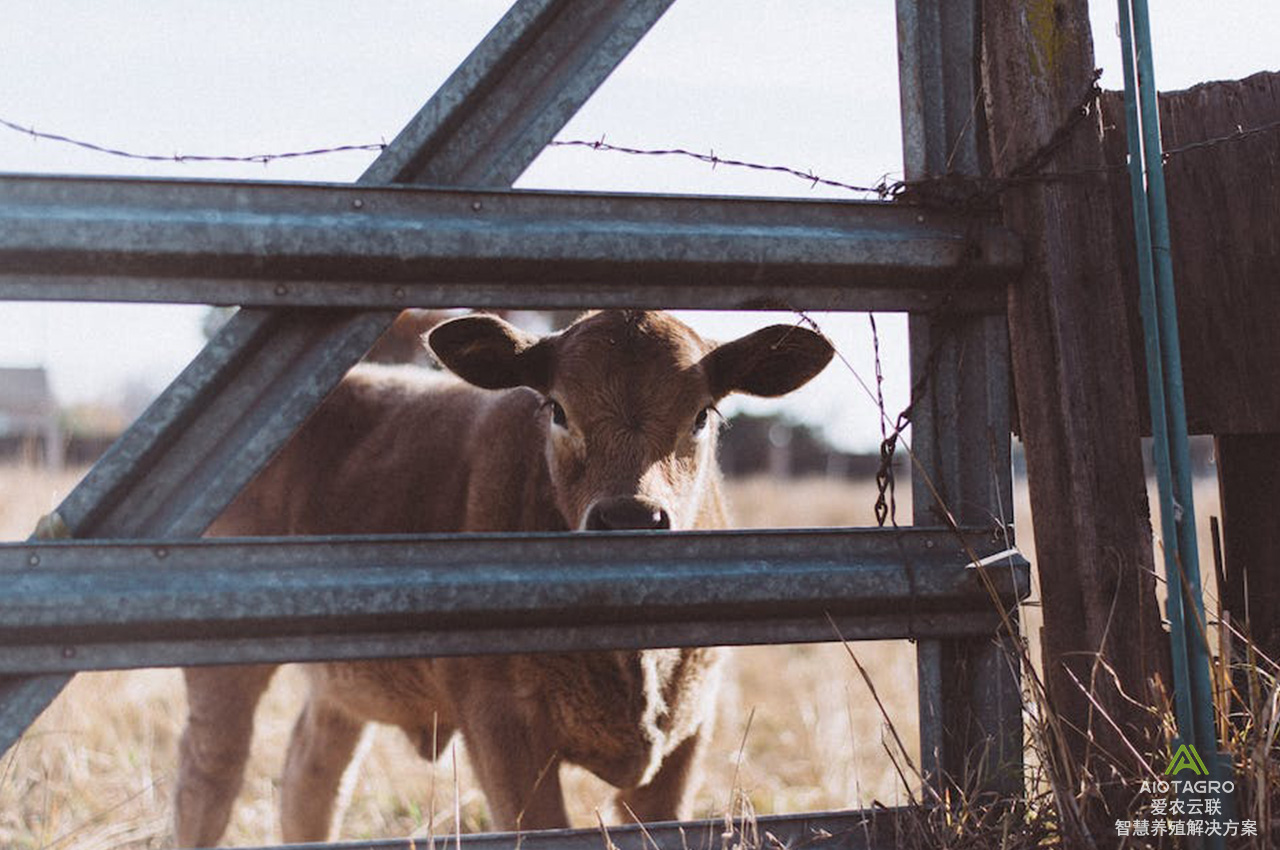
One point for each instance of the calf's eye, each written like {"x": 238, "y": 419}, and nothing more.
{"x": 557, "y": 413}
{"x": 701, "y": 421}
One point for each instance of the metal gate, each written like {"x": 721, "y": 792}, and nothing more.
{"x": 321, "y": 271}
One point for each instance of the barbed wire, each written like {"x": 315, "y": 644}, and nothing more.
{"x": 884, "y": 188}
{"x": 946, "y": 189}
{"x": 260, "y": 159}
{"x": 1239, "y": 135}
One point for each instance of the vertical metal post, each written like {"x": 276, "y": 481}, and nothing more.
{"x": 970, "y": 701}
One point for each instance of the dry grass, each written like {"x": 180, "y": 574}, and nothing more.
{"x": 27, "y": 493}
{"x": 96, "y": 770}
{"x": 764, "y": 502}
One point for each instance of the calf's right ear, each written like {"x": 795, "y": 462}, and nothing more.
{"x": 490, "y": 353}
{"x": 770, "y": 362}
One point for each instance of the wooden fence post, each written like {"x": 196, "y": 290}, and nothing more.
{"x": 1076, "y": 398}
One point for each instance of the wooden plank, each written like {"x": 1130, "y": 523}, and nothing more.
{"x": 1225, "y": 232}
{"x": 1249, "y": 480}
{"x": 1076, "y": 394}
{"x": 1224, "y": 211}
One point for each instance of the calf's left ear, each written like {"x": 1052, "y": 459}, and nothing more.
{"x": 490, "y": 353}
{"x": 770, "y": 362}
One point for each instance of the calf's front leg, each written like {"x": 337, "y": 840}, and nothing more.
{"x": 668, "y": 795}
{"x": 313, "y": 795}
{"x": 518, "y": 769}
{"x": 215, "y": 746}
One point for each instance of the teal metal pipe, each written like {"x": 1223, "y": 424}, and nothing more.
{"x": 1180, "y": 451}
{"x": 1193, "y": 686}
{"x": 1156, "y": 402}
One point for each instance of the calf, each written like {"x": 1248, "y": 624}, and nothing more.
{"x": 606, "y": 425}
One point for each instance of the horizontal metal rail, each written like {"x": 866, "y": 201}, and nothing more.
{"x": 875, "y": 829}
{"x": 97, "y": 605}
{"x": 264, "y": 244}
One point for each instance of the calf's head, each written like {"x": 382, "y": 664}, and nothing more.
{"x": 628, "y": 410}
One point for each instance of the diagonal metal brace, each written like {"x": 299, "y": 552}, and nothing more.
{"x": 568, "y": 52}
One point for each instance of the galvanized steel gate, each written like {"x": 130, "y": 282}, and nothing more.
{"x": 320, "y": 272}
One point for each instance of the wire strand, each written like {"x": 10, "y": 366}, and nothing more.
{"x": 261, "y": 158}
{"x": 1028, "y": 172}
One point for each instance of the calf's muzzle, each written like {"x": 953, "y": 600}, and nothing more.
{"x": 627, "y": 513}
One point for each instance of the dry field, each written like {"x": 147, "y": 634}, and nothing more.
{"x": 96, "y": 770}
{"x": 798, "y": 729}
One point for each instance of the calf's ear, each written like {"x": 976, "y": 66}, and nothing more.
{"x": 490, "y": 353}
{"x": 770, "y": 362}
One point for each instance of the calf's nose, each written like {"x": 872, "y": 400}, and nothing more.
{"x": 620, "y": 513}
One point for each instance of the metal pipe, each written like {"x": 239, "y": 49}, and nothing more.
{"x": 1171, "y": 360}
{"x": 1193, "y": 685}
{"x": 877, "y": 828}
{"x": 1148, "y": 309}
{"x": 517, "y": 89}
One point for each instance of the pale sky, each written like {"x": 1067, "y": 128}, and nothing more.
{"x": 805, "y": 83}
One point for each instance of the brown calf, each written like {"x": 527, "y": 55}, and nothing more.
{"x": 606, "y": 425}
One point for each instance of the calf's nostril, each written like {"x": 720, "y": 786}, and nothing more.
{"x": 625, "y": 513}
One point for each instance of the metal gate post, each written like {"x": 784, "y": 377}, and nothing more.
{"x": 970, "y": 705}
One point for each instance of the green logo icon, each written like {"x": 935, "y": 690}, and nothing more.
{"x": 1186, "y": 758}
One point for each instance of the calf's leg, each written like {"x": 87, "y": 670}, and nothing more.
{"x": 215, "y": 745}
{"x": 314, "y": 794}
{"x": 667, "y": 796}
{"x": 518, "y": 770}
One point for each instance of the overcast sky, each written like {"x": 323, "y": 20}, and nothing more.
{"x": 805, "y": 83}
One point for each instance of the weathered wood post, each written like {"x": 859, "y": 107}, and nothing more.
{"x": 1076, "y": 398}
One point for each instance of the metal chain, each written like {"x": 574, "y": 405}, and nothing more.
{"x": 886, "y": 507}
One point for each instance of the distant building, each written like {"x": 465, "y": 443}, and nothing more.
{"x": 29, "y": 422}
